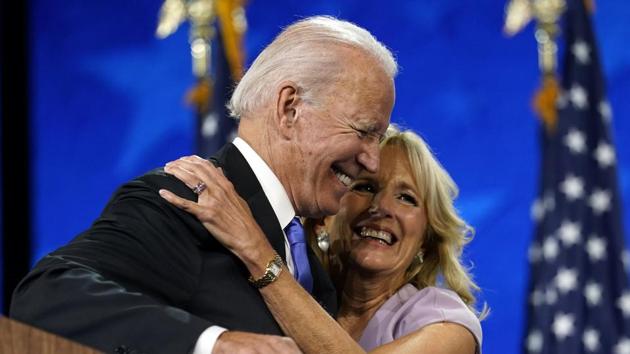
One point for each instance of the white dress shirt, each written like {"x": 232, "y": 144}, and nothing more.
{"x": 282, "y": 208}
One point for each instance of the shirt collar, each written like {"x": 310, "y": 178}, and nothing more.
{"x": 273, "y": 189}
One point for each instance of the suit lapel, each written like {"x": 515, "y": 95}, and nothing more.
{"x": 268, "y": 222}
{"x": 237, "y": 170}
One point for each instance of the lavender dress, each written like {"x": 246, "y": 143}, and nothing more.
{"x": 411, "y": 309}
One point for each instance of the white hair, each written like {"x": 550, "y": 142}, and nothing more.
{"x": 306, "y": 53}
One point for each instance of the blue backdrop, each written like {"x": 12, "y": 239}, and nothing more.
{"x": 107, "y": 104}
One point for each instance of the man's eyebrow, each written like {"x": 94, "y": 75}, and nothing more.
{"x": 368, "y": 125}
{"x": 376, "y": 129}
{"x": 372, "y": 128}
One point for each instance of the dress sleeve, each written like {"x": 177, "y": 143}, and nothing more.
{"x": 433, "y": 305}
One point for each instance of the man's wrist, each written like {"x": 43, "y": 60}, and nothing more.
{"x": 207, "y": 340}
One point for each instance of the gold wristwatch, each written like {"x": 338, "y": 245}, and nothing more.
{"x": 273, "y": 270}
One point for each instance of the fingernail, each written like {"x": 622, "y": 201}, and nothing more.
{"x": 163, "y": 193}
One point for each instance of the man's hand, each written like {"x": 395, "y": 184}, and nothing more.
{"x": 234, "y": 342}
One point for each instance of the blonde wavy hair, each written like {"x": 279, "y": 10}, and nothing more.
{"x": 446, "y": 232}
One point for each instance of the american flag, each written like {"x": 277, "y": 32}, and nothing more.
{"x": 579, "y": 298}
{"x": 214, "y": 126}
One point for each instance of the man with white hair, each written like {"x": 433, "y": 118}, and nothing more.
{"x": 146, "y": 277}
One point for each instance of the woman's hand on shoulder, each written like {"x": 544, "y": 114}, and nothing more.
{"x": 219, "y": 208}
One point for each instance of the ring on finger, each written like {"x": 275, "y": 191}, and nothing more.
{"x": 199, "y": 188}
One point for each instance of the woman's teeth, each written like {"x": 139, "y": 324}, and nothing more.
{"x": 380, "y": 235}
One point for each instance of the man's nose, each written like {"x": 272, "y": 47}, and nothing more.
{"x": 369, "y": 157}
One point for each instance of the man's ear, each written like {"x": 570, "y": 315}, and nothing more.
{"x": 286, "y": 108}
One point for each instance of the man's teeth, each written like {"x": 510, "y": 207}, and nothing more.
{"x": 343, "y": 178}
{"x": 382, "y": 236}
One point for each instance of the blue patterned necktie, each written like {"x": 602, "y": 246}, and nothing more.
{"x": 297, "y": 242}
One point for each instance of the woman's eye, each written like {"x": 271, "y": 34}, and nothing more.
{"x": 408, "y": 198}
{"x": 363, "y": 187}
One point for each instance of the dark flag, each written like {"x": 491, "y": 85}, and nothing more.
{"x": 579, "y": 299}
{"x": 214, "y": 125}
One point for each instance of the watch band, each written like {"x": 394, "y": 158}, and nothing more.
{"x": 272, "y": 271}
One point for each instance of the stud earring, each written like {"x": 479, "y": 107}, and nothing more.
{"x": 419, "y": 257}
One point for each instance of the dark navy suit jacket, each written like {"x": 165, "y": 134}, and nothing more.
{"x": 147, "y": 277}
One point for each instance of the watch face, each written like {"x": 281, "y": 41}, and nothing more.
{"x": 274, "y": 268}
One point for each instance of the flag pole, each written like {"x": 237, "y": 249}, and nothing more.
{"x": 547, "y": 14}
{"x": 218, "y": 24}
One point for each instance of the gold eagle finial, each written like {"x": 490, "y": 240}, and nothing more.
{"x": 172, "y": 14}
{"x": 518, "y": 13}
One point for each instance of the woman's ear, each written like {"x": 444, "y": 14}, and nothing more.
{"x": 287, "y": 108}
{"x": 319, "y": 224}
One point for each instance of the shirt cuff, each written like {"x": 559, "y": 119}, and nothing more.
{"x": 207, "y": 340}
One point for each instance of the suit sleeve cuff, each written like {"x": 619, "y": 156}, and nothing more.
{"x": 207, "y": 340}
